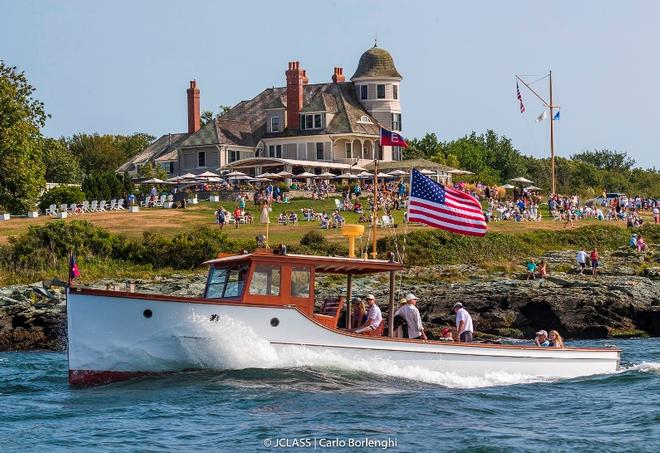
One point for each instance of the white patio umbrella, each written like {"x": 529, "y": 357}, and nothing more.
{"x": 346, "y": 176}
{"x": 522, "y": 180}
{"x": 532, "y": 188}
{"x": 235, "y": 174}
{"x": 365, "y": 174}
{"x": 260, "y": 179}
{"x": 305, "y": 174}
{"x": 326, "y": 175}
{"x": 398, "y": 173}
{"x": 427, "y": 172}
{"x": 268, "y": 175}
{"x": 208, "y": 174}
{"x": 285, "y": 174}
{"x": 460, "y": 172}
{"x": 508, "y": 186}
{"x": 154, "y": 181}
{"x": 385, "y": 175}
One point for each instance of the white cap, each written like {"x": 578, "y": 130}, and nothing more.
{"x": 542, "y": 332}
{"x": 410, "y": 297}
{"x": 371, "y": 296}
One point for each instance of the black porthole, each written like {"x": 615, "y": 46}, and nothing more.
{"x": 274, "y": 322}
{"x": 147, "y": 313}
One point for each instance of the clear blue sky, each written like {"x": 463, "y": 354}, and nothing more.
{"x": 123, "y": 66}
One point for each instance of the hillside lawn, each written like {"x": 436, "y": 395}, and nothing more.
{"x": 169, "y": 222}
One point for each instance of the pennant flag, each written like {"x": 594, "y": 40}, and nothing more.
{"x": 556, "y": 117}
{"x": 438, "y": 206}
{"x": 389, "y": 138}
{"x": 542, "y": 116}
{"x": 522, "y": 106}
{"x": 73, "y": 268}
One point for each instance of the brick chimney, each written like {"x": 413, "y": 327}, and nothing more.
{"x": 193, "y": 107}
{"x": 295, "y": 79}
{"x": 338, "y": 76}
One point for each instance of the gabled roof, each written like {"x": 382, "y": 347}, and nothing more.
{"x": 165, "y": 144}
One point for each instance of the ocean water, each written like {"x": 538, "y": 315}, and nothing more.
{"x": 305, "y": 402}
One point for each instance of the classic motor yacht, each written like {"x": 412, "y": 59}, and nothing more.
{"x": 270, "y": 297}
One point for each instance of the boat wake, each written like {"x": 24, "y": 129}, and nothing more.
{"x": 231, "y": 345}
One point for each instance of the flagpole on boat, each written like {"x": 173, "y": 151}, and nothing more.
{"x": 374, "y": 217}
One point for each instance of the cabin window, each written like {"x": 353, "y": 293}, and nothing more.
{"x": 226, "y": 282}
{"x": 300, "y": 282}
{"x": 265, "y": 280}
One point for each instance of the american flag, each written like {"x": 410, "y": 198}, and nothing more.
{"x": 442, "y": 207}
{"x": 522, "y": 106}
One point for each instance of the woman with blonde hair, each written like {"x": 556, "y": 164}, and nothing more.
{"x": 555, "y": 340}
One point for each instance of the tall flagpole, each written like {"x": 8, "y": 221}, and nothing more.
{"x": 551, "y": 107}
{"x": 552, "y": 139}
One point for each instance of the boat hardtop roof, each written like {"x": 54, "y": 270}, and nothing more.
{"x": 329, "y": 264}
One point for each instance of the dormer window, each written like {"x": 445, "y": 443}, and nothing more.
{"x": 365, "y": 119}
{"x": 275, "y": 124}
{"x": 380, "y": 91}
{"x": 311, "y": 121}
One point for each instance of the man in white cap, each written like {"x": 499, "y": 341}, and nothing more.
{"x": 374, "y": 316}
{"x": 542, "y": 339}
{"x": 410, "y": 313}
{"x": 464, "y": 328}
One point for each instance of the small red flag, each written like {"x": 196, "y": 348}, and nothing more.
{"x": 390, "y": 138}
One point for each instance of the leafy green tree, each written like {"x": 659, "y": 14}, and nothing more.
{"x": 21, "y": 117}
{"x": 61, "y": 194}
{"x": 99, "y": 153}
{"x": 605, "y": 159}
{"x": 61, "y": 164}
{"x": 207, "y": 115}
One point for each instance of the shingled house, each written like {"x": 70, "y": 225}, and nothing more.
{"x": 299, "y": 127}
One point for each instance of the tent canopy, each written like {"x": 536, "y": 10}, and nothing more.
{"x": 520, "y": 179}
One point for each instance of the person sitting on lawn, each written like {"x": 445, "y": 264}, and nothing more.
{"x": 282, "y": 219}
{"x": 293, "y": 218}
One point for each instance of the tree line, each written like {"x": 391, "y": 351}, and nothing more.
{"x": 494, "y": 160}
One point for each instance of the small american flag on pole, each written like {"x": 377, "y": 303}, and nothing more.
{"x": 522, "y": 106}
{"x": 442, "y": 207}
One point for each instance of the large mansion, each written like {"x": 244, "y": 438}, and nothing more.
{"x": 298, "y": 127}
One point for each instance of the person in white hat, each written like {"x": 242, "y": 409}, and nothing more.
{"x": 541, "y": 339}
{"x": 374, "y": 316}
{"x": 410, "y": 313}
{"x": 464, "y": 327}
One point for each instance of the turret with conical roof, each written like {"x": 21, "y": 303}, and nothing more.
{"x": 376, "y": 81}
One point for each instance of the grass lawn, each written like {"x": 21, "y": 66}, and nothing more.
{"x": 169, "y": 222}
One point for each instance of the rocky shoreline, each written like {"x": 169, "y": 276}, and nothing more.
{"x": 624, "y": 300}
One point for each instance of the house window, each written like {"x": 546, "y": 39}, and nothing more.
{"x": 380, "y": 91}
{"x": 365, "y": 119}
{"x": 319, "y": 151}
{"x": 171, "y": 168}
{"x": 275, "y": 124}
{"x": 233, "y": 155}
{"x": 364, "y": 92}
{"x": 271, "y": 150}
{"x": 313, "y": 121}
{"x": 302, "y": 151}
{"x": 396, "y": 121}
{"x": 396, "y": 153}
{"x": 395, "y": 91}
{"x": 349, "y": 150}
{"x": 201, "y": 159}
{"x": 265, "y": 280}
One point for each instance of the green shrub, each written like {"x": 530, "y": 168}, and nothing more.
{"x": 61, "y": 194}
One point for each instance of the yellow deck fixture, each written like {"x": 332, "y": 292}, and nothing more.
{"x": 352, "y": 232}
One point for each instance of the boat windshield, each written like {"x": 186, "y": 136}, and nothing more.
{"x": 226, "y": 282}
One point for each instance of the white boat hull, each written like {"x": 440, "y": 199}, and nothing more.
{"x": 110, "y": 338}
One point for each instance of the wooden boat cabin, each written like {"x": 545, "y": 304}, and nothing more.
{"x": 272, "y": 277}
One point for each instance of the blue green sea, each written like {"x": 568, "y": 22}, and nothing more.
{"x": 332, "y": 409}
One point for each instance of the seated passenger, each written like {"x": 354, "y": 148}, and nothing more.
{"x": 374, "y": 317}
{"x": 555, "y": 340}
{"x": 445, "y": 334}
{"x": 359, "y": 315}
{"x": 282, "y": 219}
{"x": 541, "y": 339}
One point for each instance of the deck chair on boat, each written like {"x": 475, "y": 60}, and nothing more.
{"x": 330, "y": 312}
